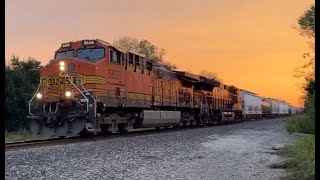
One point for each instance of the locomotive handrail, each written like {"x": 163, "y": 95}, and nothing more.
{"x": 44, "y": 111}
{"x": 202, "y": 106}
{"x": 94, "y": 100}
{"x": 79, "y": 91}
{"x": 207, "y": 104}
{"x": 33, "y": 98}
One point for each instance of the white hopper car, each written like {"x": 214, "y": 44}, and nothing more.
{"x": 251, "y": 105}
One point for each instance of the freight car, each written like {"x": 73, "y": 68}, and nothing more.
{"x": 92, "y": 86}
{"x": 278, "y": 108}
{"x": 251, "y": 105}
{"x": 281, "y": 108}
{"x": 266, "y": 109}
{"x": 274, "y": 110}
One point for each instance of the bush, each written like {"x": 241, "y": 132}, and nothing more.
{"x": 20, "y": 135}
{"x": 21, "y": 82}
{"x": 304, "y": 123}
{"x": 300, "y": 156}
{"x": 300, "y": 161}
{"x": 301, "y": 124}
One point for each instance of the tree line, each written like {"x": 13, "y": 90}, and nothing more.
{"x": 307, "y": 70}
{"x": 21, "y": 80}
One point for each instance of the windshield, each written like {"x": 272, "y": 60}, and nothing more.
{"x": 91, "y": 54}
{"x": 65, "y": 54}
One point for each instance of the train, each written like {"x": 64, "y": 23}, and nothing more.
{"x": 92, "y": 86}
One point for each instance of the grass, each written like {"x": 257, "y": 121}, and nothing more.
{"x": 300, "y": 159}
{"x": 302, "y": 123}
{"x": 21, "y": 135}
{"x": 300, "y": 156}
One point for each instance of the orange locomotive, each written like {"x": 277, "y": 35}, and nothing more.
{"x": 94, "y": 87}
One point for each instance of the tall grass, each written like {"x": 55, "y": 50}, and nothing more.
{"x": 304, "y": 123}
{"x": 21, "y": 135}
{"x": 300, "y": 156}
{"x": 300, "y": 159}
{"x": 301, "y": 123}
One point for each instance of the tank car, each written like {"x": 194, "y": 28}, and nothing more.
{"x": 265, "y": 108}
{"x": 274, "y": 103}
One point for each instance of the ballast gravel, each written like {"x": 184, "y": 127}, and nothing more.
{"x": 239, "y": 151}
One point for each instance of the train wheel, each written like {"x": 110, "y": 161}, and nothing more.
{"x": 183, "y": 124}
{"x": 198, "y": 123}
{"x": 192, "y": 123}
{"x": 84, "y": 133}
{"x": 105, "y": 129}
{"x": 123, "y": 128}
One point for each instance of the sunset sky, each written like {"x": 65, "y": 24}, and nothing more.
{"x": 251, "y": 44}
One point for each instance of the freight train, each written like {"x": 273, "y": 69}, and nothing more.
{"x": 92, "y": 86}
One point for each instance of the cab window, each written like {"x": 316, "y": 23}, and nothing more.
{"x": 91, "y": 55}
{"x": 65, "y": 54}
{"x": 115, "y": 57}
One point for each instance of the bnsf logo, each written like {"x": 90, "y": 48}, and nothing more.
{"x": 55, "y": 81}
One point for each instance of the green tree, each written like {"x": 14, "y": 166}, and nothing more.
{"x": 145, "y": 48}
{"x": 210, "y": 75}
{"x": 307, "y": 22}
{"x": 22, "y": 79}
{"x": 128, "y": 43}
{"x": 307, "y": 70}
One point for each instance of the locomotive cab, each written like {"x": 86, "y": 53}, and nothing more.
{"x": 64, "y": 103}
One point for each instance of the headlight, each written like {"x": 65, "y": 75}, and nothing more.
{"x": 61, "y": 68}
{"x": 68, "y": 94}
{"x": 39, "y": 95}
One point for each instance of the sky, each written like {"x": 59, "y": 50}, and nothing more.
{"x": 252, "y": 44}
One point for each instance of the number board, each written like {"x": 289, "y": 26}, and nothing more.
{"x": 88, "y": 42}
{"x": 65, "y": 45}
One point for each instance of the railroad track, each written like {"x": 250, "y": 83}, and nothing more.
{"x": 20, "y": 144}
{"x": 132, "y": 133}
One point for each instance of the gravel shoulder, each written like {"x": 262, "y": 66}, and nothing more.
{"x": 239, "y": 151}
